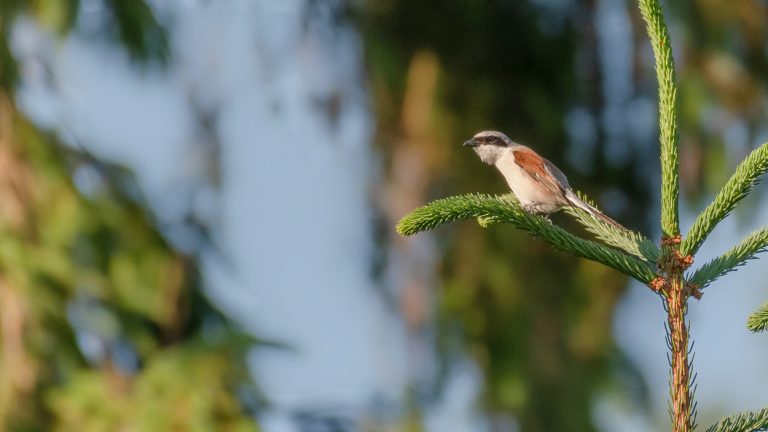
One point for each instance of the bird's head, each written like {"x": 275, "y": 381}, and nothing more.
{"x": 489, "y": 145}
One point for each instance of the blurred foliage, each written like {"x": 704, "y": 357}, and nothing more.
{"x": 59, "y": 16}
{"x": 104, "y": 326}
{"x": 723, "y": 62}
{"x": 130, "y": 23}
{"x": 157, "y": 399}
{"x": 138, "y": 30}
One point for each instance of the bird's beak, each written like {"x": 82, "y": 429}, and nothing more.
{"x": 470, "y": 143}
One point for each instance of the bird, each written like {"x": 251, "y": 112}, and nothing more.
{"x": 537, "y": 183}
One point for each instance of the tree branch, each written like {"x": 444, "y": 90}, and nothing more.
{"x": 738, "y": 186}
{"x": 729, "y": 261}
{"x": 758, "y": 321}
{"x": 742, "y": 422}
{"x": 505, "y": 209}
{"x": 665, "y": 73}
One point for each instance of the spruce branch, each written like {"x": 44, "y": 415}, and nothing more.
{"x": 738, "y": 186}
{"x": 665, "y": 74}
{"x": 758, "y": 321}
{"x": 505, "y": 209}
{"x": 625, "y": 239}
{"x": 746, "y": 250}
{"x": 742, "y": 422}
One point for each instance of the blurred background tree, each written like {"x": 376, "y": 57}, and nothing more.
{"x": 104, "y": 325}
{"x": 723, "y": 88}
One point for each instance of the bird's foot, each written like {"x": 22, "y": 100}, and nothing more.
{"x": 535, "y": 210}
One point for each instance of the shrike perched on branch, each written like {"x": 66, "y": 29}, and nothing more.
{"x": 536, "y": 182}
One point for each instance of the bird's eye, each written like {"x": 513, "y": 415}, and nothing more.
{"x": 493, "y": 140}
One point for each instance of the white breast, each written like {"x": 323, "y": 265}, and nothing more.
{"x": 526, "y": 189}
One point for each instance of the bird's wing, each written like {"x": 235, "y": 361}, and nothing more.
{"x": 542, "y": 170}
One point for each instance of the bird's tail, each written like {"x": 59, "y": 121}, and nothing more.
{"x": 597, "y": 214}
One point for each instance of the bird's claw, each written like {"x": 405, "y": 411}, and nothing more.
{"x": 533, "y": 209}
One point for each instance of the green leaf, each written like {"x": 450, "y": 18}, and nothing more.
{"x": 742, "y": 422}
{"x": 626, "y": 240}
{"x": 738, "y": 186}
{"x": 737, "y": 256}
{"x": 665, "y": 74}
{"x": 758, "y": 321}
{"x": 506, "y": 209}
